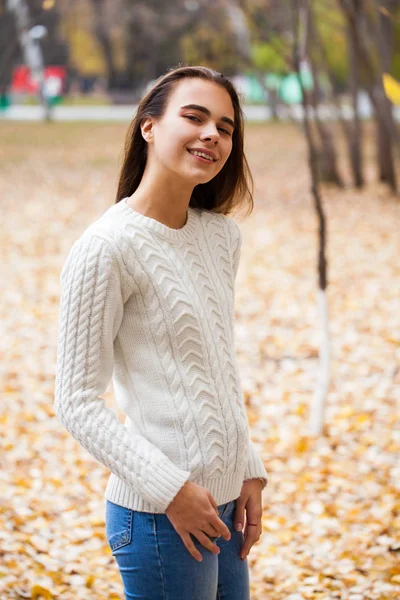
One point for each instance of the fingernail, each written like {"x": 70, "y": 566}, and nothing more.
{"x": 238, "y": 527}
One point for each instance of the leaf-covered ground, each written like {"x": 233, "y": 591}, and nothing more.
{"x": 331, "y": 521}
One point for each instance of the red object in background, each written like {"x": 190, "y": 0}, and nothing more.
{"x": 22, "y": 82}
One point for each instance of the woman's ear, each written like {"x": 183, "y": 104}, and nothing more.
{"x": 147, "y": 129}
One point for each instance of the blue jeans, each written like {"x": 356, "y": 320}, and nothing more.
{"x": 155, "y": 564}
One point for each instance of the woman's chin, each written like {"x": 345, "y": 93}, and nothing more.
{"x": 197, "y": 179}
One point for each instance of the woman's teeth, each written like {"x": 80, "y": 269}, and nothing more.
{"x": 206, "y": 156}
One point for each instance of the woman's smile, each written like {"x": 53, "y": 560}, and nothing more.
{"x": 204, "y": 160}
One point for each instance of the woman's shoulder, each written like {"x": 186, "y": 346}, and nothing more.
{"x": 228, "y": 220}
{"x": 107, "y": 229}
{"x": 102, "y": 242}
{"x": 233, "y": 228}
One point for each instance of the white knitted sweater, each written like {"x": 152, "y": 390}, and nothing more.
{"x": 153, "y": 308}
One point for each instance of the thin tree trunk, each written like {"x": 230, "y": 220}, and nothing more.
{"x": 352, "y": 131}
{"x": 382, "y": 106}
{"x": 272, "y": 102}
{"x": 327, "y": 158}
{"x": 105, "y": 43}
{"x": 383, "y": 32}
{"x": 300, "y": 9}
{"x": 355, "y": 141}
{"x": 387, "y": 172}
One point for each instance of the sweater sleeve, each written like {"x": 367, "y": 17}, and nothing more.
{"x": 255, "y": 468}
{"x": 91, "y": 311}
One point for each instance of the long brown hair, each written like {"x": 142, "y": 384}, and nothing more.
{"x": 230, "y": 187}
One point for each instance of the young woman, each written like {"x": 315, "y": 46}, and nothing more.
{"x": 148, "y": 299}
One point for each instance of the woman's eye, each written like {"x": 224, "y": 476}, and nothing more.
{"x": 193, "y": 117}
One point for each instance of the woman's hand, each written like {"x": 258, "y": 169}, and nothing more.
{"x": 250, "y": 500}
{"x": 194, "y": 512}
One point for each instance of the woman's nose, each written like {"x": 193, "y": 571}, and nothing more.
{"x": 211, "y": 135}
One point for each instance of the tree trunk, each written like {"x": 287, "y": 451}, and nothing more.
{"x": 386, "y": 128}
{"x": 355, "y": 141}
{"x": 300, "y": 11}
{"x": 272, "y": 101}
{"x": 352, "y": 131}
{"x": 327, "y": 157}
{"x": 387, "y": 173}
{"x": 103, "y": 38}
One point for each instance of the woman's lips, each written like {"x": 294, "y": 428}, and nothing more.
{"x": 204, "y": 160}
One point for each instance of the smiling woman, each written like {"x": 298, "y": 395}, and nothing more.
{"x": 188, "y": 109}
{"x": 166, "y": 186}
{"x": 148, "y": 300}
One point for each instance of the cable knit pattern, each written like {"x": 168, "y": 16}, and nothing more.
{"x": 153, "y": 308}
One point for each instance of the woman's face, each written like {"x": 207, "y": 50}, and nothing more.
{"x": 181, "y": 129}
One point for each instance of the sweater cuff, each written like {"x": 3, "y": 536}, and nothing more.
{"x": 255, "y": 468}
{"x": 166, "y": 481}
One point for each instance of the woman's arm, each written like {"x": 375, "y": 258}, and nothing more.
{"x": 255, "y": 466}
{"x": 91, "y": 311}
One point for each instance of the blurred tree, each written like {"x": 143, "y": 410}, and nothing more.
{"x": 332, "y": 31}
{"x": 153, "y": 30}
{"x": 53, "y": 48}
{"x": 269, "y": 27}
{"x": 102, "y": 33}
{"x": 270, "y": 58}
{"x": 86, "y": 57}
{"x": 212, "y": 42}
{"x": 373, "y": 47}
{"x": 352, "y": 130}
{"x": 327, "y": 155}
{"x": 29, "y": 34}
{"x": 301, "y": 31}
{"x": 395, "y": 17}
{"x": 53, "y": 45}
{"x": 274, "y": 55}
{"x": 10, "y": 51}
{"x": 95, "y": 31}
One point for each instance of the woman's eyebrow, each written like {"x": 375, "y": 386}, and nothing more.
{"x": 208, "y": 113}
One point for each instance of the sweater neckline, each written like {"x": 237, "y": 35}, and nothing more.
{"x": 183, "y": 233}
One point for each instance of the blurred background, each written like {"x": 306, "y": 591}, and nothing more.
{"x": 108, "y": 52}
{"x": 317, "y": 294}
